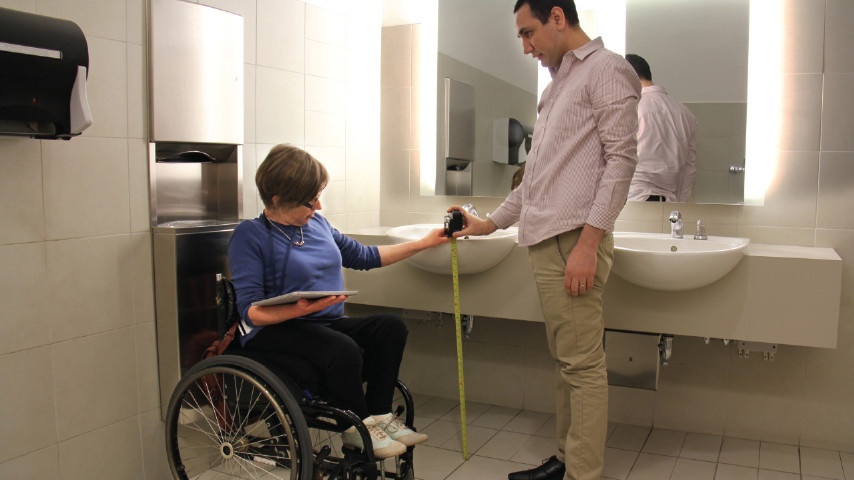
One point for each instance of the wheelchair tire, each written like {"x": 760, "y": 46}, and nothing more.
{"x": 231, "y": 417}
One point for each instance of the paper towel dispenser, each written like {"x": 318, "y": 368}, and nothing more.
{"x": 44, "y": 62}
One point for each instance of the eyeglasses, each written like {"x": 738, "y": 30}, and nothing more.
{"x": 310, "y": 205}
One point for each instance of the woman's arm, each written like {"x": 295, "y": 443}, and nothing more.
{"x": 394, "y": 253}
{"x": 271, "y": 315}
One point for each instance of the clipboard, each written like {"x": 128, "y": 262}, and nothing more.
{"x": 293, "y": 297}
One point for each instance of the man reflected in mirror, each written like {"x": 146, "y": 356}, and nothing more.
{"x": 667, "y": 143}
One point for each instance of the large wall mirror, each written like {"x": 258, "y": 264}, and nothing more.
{"x": 697, "y": 50}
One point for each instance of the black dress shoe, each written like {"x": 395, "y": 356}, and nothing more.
{"x": 551, "y": 469}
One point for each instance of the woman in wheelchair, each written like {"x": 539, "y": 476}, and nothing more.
{"x": 290, "y": 247}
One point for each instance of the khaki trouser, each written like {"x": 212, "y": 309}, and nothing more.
{"x": 575, "y": 329}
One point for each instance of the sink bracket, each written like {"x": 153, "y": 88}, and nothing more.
{"x": 665, "y": 349}
{"x": 769, "y": 350}
{"x": 467, "y": 324}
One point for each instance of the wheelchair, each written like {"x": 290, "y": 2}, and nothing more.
{"x": 239, "y": 416}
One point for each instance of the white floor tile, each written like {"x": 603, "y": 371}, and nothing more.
{"x": 477, "y": 437}
{"x": 504, "y": 445}
{"x": 618, "y": 463}
{"x": 480, "y": 468}
{"x": 821, "y": 463}
{"x": 737, "y": 451}
{"x": 535, "y": 450}
{"x": 772, "y": 475}
{"x": 652, "y": 467}
{"x": 700, "y": 446}
{"x": 439, "y": 432}
{"x": 435, "y": 463}
{"x": 664, "y": 442}
{"x": 436, "y": 407}
{"x": 527, "y": 422}
{"x": 549, "y": 428}
{"x": 628, "y": 437}
{"x": 687, "y": 469}
{"x": 473, "y": 411}
{"x": 735, "y": 472}
{"x": 848, "y": 465}
{"x": 782, "y": 458}
{"x": 496, "y": 417}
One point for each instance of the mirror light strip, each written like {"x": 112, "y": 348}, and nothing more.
{"x": 764, "y": 97}
{"x": 27, "y": 50}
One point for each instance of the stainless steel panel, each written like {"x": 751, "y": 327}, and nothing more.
{"x": 194, "y": 190}
{"x": 459, "y": 120}
{"x": 187, "y": 257}
{"x": 633, "y": 359}
{"x": 196, "y": 65}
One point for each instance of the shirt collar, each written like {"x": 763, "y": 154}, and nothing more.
{"x": 653, "y": 88}
{"x": 580, "y": 53}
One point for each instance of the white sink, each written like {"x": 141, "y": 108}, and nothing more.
{"x": 656, "y": 261}
{"x": 474, "y": 254}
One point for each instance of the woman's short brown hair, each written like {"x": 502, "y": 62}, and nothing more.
{"x": 292, "y": 175}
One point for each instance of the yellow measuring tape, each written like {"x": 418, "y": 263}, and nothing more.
{"x": 458, "y": 322}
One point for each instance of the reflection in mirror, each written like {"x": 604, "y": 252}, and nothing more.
{"x": 697, "y": 51}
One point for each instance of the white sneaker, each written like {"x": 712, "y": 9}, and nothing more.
{"x": 398, "y": 431}
{"x": 384, "y": 446}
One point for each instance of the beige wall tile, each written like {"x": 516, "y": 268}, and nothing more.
{"x": 95, "y": 18}
{"x": 835, "y": 195}
{"x": 483, "y": 362}
{"x": 539, "y": 379}
{"x": 395, "y": 120}
{"x": 804, "y": 38}
{"x": 137, "y": 92}
{"x": 90, "y": 282}
{"x": 762, "y": 406}
{"x": 835, "y": 363}
{"x": 839, "y": 37}
{"x": 325, "y": 25}
{"x": 333, "y": 158}
{"x": 324, "y": 129}
{"x": 251, "y": 205}
{"x": 334, "y": 198}
{"x": 22, "y": 5}
{"x": 86, "y": 187}
{"x": 43, "y": 464}
{"x": 394, "y": 181}
{"x": 143, "y": 278}
{"x": 802, "y": 115}
{"x": 23, "y": 289}
{"x": 136, "y": 14}
{"x": 397, "y": 56}
{"x": 107, "y": 87}
{"x": 155, "y": 462}
{"x": 26, "y": 403}
{"x": 790, "y": 200}
{"x": 632, "y": 406}
{"x": 827, "y": 416}
{"x": 778, "y": 235}
{"x": 324, "y": 60}
{"x": 362, "y": 197}
{"x": 21, "y": 203}
{"x": 279, "y": 112}
{"x": 87, "y": 401}
{"x": 683, "y": 391}
{"x": 837, "y": 116}
{"x": 146, "y": 367}
{"x": 282, "y": 23}
{"x": 249, "y": 101}
{"x": 325, "y": 94}
{"x": 140, "y": 206}
{"x": 361, "y": 220}
{"x": 110, "y": 452}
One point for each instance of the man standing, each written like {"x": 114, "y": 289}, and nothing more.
{"x": 667, "y": 143}
{"x": 576, "y": 182}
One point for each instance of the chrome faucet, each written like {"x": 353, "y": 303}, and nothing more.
{"x": 470, "y": 209}
{"x": 675, "y": 224}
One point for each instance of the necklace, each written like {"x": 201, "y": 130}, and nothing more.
{"x": 301, "y": 238}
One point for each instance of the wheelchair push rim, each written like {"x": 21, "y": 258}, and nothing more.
{"x": 230, "y": 420}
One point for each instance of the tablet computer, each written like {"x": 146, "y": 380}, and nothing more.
{"x": 294, "y": 296}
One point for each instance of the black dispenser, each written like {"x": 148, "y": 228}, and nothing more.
{"x": 44, "y": 62}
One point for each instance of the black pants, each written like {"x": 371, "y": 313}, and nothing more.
{"x": 656, "y": 198}
{"x": 346, "y": 353}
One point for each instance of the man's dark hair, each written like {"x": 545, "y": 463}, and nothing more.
{"x": 641, "y": 67}
{"x": 543, "y": 8}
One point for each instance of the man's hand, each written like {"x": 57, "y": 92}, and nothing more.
{"x": 472, "y": 225}
{"x": 581, "y": 262}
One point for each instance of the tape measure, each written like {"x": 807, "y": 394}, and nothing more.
{"x": 458, "y": 322}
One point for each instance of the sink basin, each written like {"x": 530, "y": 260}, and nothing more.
{"x": 474, "y": 254}
{"x": 656, "y": 261}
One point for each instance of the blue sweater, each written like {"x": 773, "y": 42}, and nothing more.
{"x": 256, "y": 258}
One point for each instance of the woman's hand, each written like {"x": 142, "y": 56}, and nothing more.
{"x": 394, "y": 253}
{"x": 273, "y": 314}
{"x": 435, "y": 238}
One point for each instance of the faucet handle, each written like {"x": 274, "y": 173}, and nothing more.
{"x": 701, "y": 231}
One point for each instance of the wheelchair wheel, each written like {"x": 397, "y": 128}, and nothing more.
{"x": 231, "y": 418}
